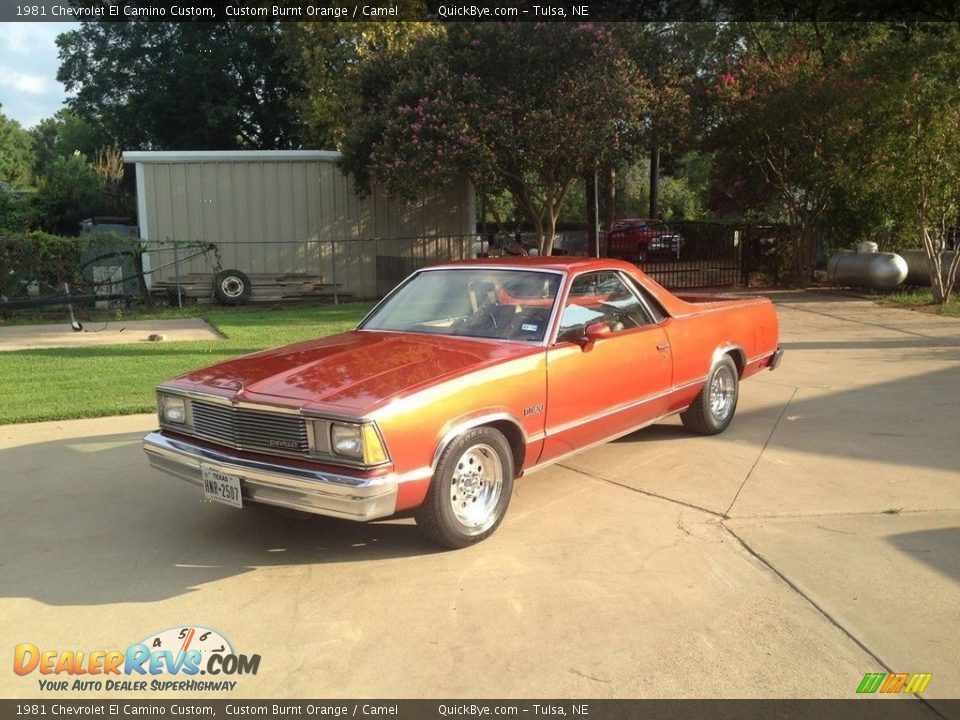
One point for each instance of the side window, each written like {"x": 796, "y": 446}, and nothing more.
{"x": 653, "y": 305}
{"x": 601, "y": 297}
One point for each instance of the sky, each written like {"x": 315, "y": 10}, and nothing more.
{"x": 29, "y": 90}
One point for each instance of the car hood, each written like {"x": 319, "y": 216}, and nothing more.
{"x": 354, "y": 372}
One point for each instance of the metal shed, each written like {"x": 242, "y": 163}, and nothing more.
{"x": 293, "y": 211}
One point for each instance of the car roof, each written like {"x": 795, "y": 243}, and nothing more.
{"x": 562, "y": 263}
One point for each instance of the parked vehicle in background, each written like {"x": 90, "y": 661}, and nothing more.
{"x": 638, "y": 239}
{"x": 467, "y": 376}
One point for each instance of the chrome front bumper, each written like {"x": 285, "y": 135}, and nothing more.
{"x": 287, "y": 486}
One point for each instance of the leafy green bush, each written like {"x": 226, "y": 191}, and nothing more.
{"x": 16, "y": 211}
{"x": 37, "y": 256}
{"x": 70, "y": 192}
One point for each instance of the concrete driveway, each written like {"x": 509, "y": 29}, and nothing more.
{"x": 818, "y": 539}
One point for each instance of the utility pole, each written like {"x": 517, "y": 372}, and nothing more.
{"x": 655, "y": 181}
{"x": 593, "y": 214}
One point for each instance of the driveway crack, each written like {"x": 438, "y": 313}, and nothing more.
{"x": 823, "y": 611}
{"x": 593, "y": 476}
{"x": 753, "y": 467}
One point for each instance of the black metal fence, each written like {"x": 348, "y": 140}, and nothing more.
{"x": 710, "y": 255}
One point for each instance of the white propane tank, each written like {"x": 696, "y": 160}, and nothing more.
{"x": 918, "y": 269}
{"x": 873, "y": 270}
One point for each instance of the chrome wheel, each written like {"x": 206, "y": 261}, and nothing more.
{"x": 475, "y": 488}
{"x": 231, "y": 287}
{"x": 722, "y": 393}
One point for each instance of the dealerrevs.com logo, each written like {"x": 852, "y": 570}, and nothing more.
{"x": 172, "y": 659}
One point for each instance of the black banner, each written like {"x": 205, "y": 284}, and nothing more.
{"x": 854, "y": 709}
{"x": 476, "y": 10}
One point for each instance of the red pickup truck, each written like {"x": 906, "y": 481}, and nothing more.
{"x": 636, "y": 239}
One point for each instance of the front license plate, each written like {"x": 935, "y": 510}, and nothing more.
{"x": 222, "y": 488}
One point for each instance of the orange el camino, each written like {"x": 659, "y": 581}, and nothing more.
{"x": 465, "y": 377}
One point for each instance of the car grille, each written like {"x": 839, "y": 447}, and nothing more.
{"x": 247, "y": 429}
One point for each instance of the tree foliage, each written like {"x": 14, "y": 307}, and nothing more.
{"x": 903, "y": 148}
{"x": 70, "y": 192}
{"x": 524, "y": 107}
{"x": 16, "y": 154}
{"x": 183, "y": 86}
{"x": 64, "y": 134}
{"x": 329, "y": 54}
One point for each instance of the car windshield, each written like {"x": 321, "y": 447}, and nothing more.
{"x": 471, "y": 302}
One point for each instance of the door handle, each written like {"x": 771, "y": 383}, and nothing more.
{"x": 663, "y": 346}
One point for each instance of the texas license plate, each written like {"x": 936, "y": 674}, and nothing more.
{"x": 222, "y": 488}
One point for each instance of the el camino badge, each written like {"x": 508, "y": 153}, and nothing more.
{"x": 532, "y": 410}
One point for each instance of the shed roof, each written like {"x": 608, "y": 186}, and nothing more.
{"x": 194, "y": 156}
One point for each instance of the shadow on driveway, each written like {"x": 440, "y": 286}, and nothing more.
{"x": 87, "y": 522}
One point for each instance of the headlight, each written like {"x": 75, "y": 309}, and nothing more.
{"x": 173, "y": 408}
{"x": 346, "y": 440}
{"x": 360, "y": 442}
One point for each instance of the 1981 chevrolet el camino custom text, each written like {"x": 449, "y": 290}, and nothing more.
{"x": 465, "y": 377}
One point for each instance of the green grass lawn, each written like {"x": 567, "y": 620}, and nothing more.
{"x": 60, "y": 383}
{"x": 921, "y": 300}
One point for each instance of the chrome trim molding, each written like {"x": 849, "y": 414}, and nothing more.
{"x": 564, "y": 456}
{"x": 221, "y": 400}
{"x": 775, "y": 358}
{"x": 722, "y": 350}
{"x": 313, "y": 491}
{"x": 623, "y": 407}
{"x": 554, "y": 312}
{"x": 473, "y": 422}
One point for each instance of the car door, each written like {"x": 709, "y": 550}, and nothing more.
{"x": 606, "y": 387}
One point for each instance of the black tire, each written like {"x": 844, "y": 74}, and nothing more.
{"x": 449, "y": 515}
{"x": 232, "y": 287}
{"x": 712, "y": 411}
{"x": 641, "y": 254}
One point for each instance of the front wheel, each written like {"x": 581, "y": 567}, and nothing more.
{"x": 470, "y": 491}
{"x": 713, "y": 409}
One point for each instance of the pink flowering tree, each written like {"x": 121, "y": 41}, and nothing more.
{"x": 527, "y": 108}
{"x": 777, "y": 140}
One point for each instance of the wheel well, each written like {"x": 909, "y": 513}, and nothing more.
{"x": 738, "y": 359}
{"x": 515, "y": 437}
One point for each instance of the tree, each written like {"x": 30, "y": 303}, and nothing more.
{"x": 903, "y": 134}
{"x": 525, "y": 107}
{"x": 329, "y": 54}
{"x": 62, "y": 135}
{"x": 16, "y": 153}
{"x": 185, "y": 85}
{"x": 777, "y": 140}
{"x": 70, "y": 192}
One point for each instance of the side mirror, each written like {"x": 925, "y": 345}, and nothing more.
{"x": 596, "y": 330}
{"x": 591, "y": 333}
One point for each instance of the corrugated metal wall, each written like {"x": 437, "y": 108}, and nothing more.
{"x": 296, "y": 213}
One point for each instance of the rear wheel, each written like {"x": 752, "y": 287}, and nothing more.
{"x": 641, "y": 254}
{"x": 470, "y": 491}
{"x": 713, "y": 409}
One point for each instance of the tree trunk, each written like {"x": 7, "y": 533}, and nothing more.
{"x": 550, "y": 230}
{"x": 940, "y": 293}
